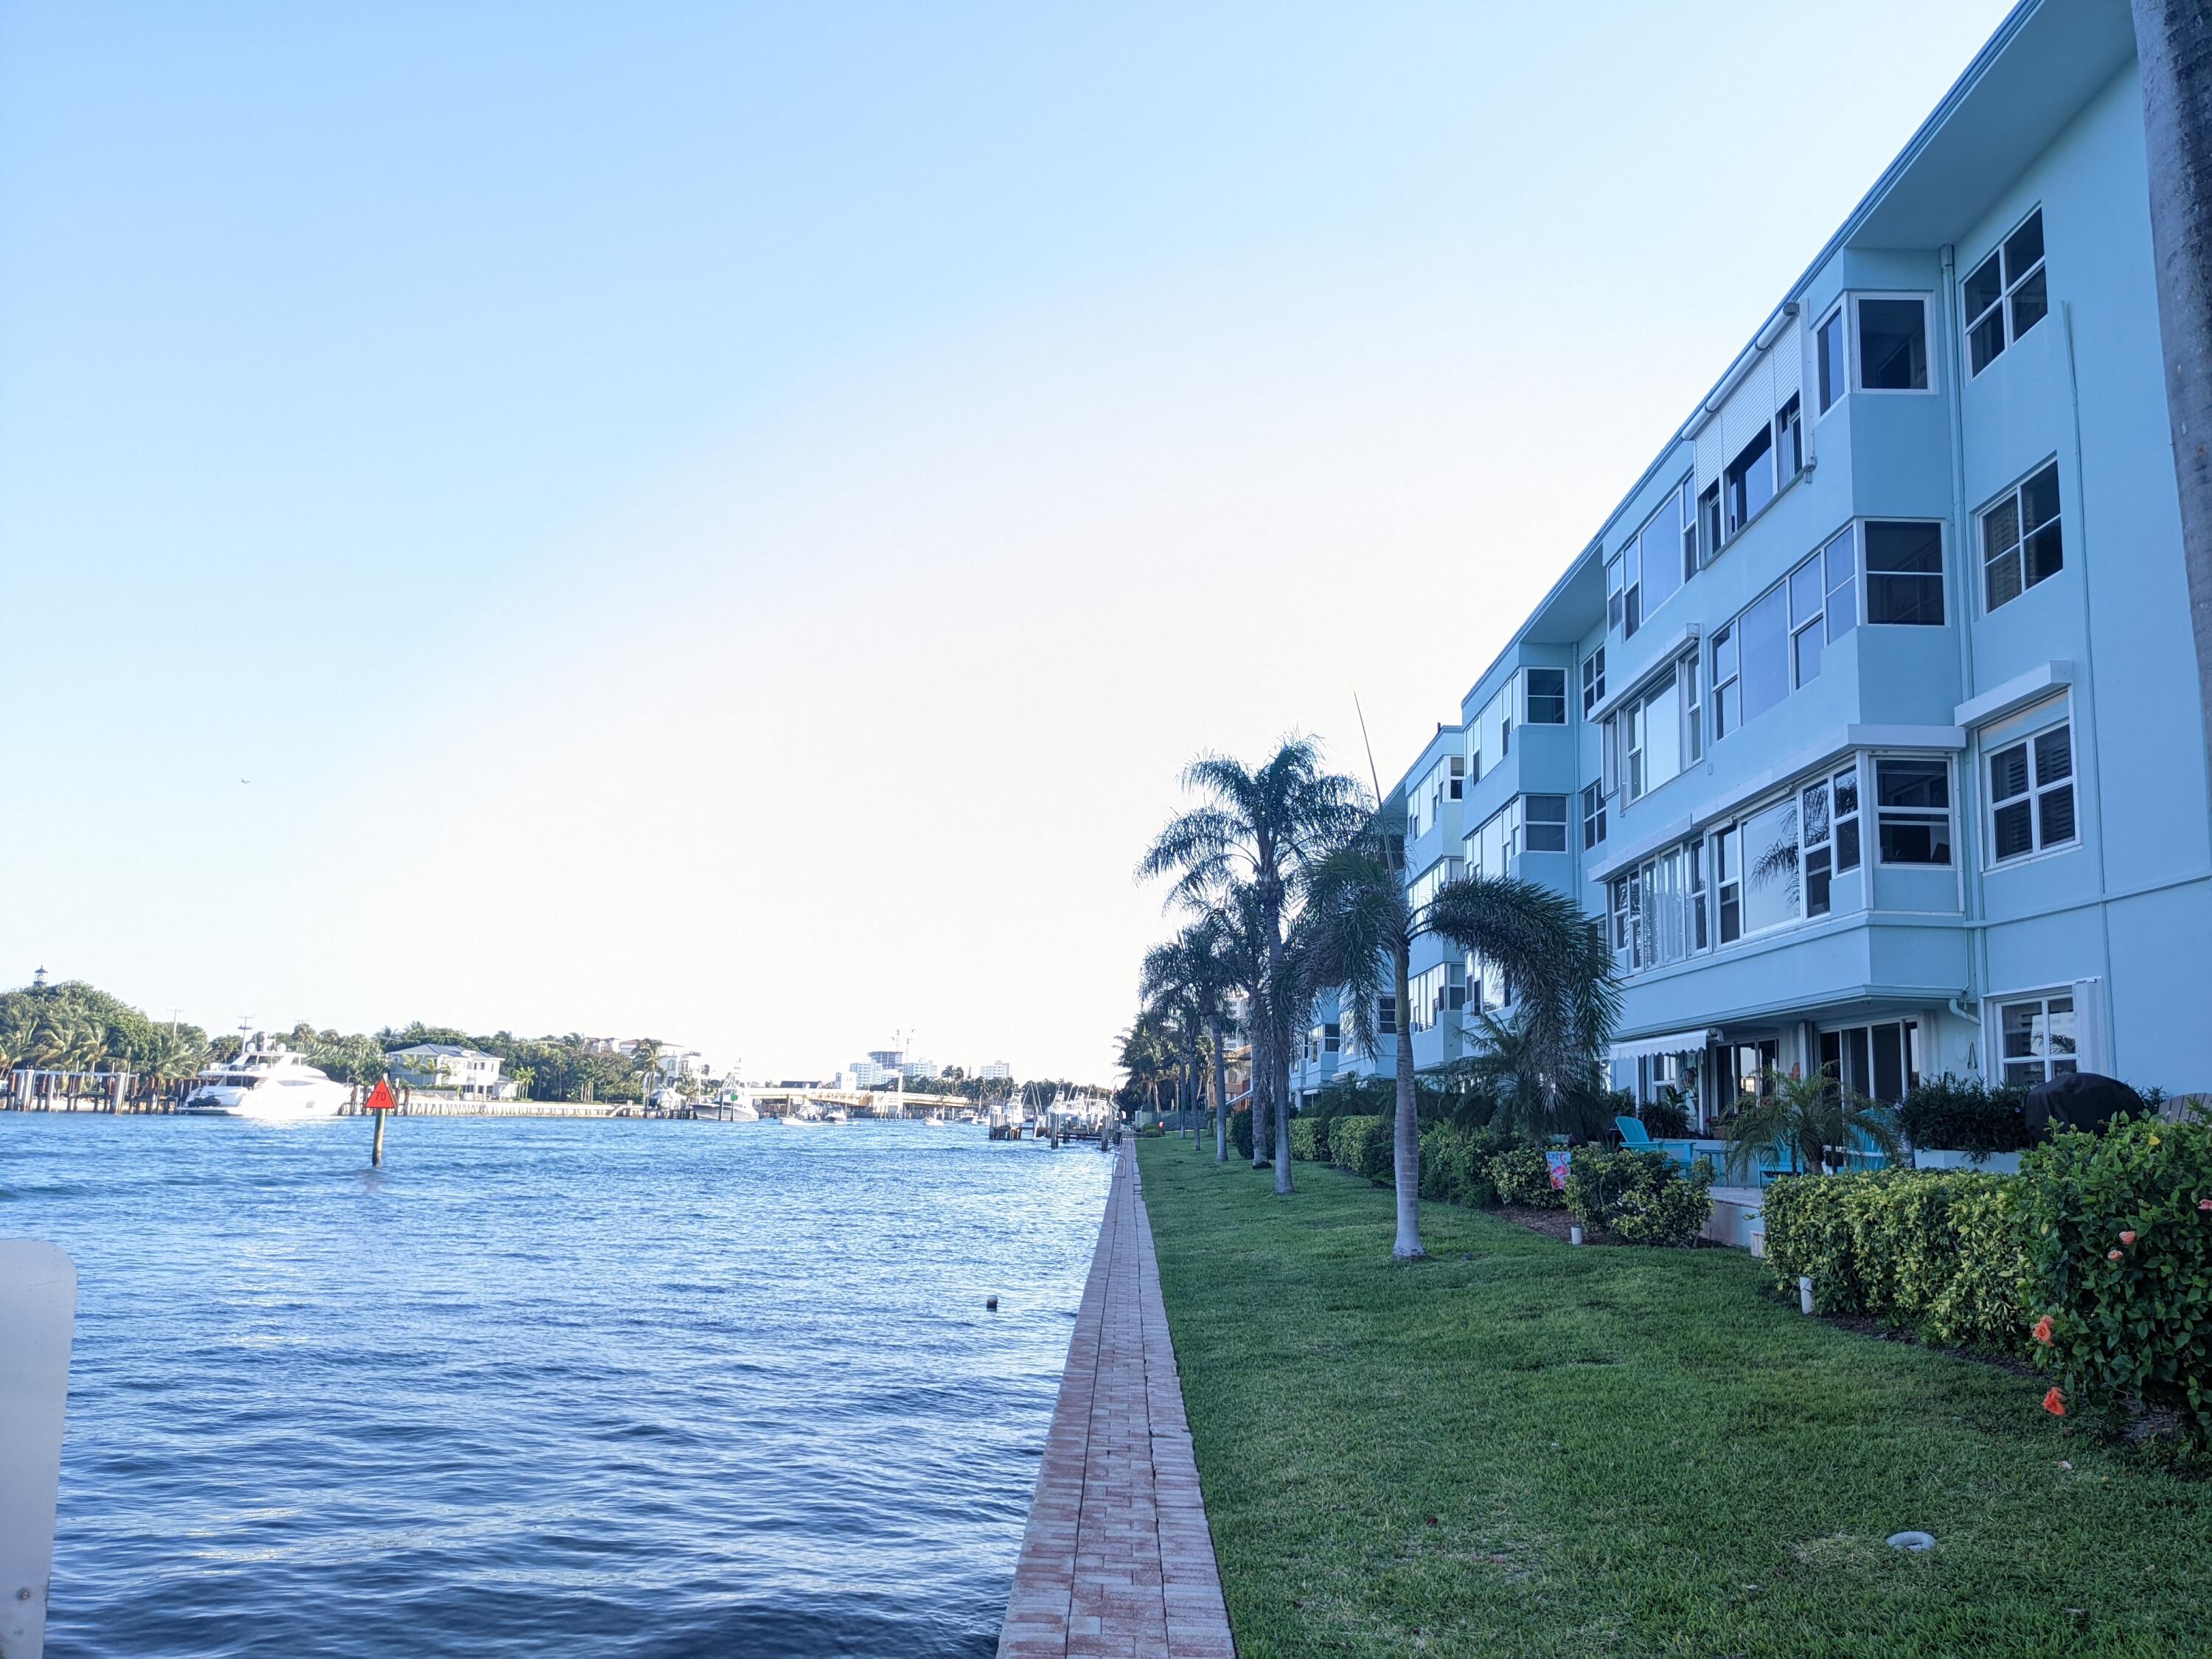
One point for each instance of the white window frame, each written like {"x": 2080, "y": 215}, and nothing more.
{"x": 1839, "y": 314}
{"x": 2047, "y": 1062}
{"x": 1858, "y": 297}
{"x": 2027, "y": 730}
{"x": 1915, "y": 814}
{"x": 1567, "y": 703}
{"x": 1593, "y": 679}
{"x": 2017, "y": 496}
{"x": 2008, "y": 286}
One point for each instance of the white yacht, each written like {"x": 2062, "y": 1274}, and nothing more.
{"x": 266, "y": 1081}
{"x": 735, "y": 1109}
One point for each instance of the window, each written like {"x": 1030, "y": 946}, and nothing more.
{"x": 1709, "y": 522}
{"x": 1905, "y": 574}
{"x": 1749, "y": 480}
{"x": 1491, "y": 849}
{"x": 1841, "y": 558}
{"x": 2005, "y": 297}
{"x": 1657, "y": 910}
{"x": 1623, "y": 593}
{"x": 1430, "y": 882}
{"x": 1694, "y": 712}
{"x": 1728, "y": 689}
{"x": 1544, "y": 822}
{"x": 1770, "y": 877}
{"x": 1666, "y": 553}
{"x": 1828, "y": 359}
{"x": 1880, "y": 1061}
{"x": 1913, "y": 811}
{"x": 1763, "y": 645}
{"x": 1653, "y": 732}
{"x": 1593, "y": 816}
{"x": 1843, "y": 806}
{"x": 2020, "y": 538}
{"x": 1435, "y": 992}
{"x": 1789, "y": 441}
{"x": 2036, "y": 1039}
{"x": 1696, "y": 853}
{"x": 1547, "y": 691}
{"x": 1593, "y": 680}
{"x": 1728, "y": 880}
{"x": 1386, "y": 1015}
{"x": 1808, "y": 596}
{"x": 1892, "y": 345}
{"x": 2031, "y": 795}
{"x": 1819, "y": 855}
{"x": 1458, "y": 777}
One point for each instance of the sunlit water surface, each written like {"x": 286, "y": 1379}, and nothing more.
{"x": 591, "y": 1388}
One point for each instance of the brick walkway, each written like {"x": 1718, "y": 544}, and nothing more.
{"x": 1117, "y": 1560}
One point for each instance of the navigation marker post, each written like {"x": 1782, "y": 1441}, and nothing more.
{"x": 381, "y": 1104}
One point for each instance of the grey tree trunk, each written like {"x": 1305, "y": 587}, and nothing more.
{"x": 1221, "y": 1094}
{"x": 2173, "y": 43}
{"x": 1406, "y": 1131}
{"x": 1279, "y": 1063}
{"x": 1261, "y": 1090}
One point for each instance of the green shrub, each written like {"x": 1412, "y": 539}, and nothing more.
{"x": 1937, "y": 1251}
{"x": 1667, "y": 1118}
{"x": 1307, "y": 1141}
{"x": 1522, "y": 1177}
{"x": 1240, "y": 1130}
{"x": 1639, "y": 1198}
{"x": 2119, "y": 1243}
{"x": 1361, "y": 1144}
{"x": 1455, "y": 1164}
{"x": 1965, "y": 1115}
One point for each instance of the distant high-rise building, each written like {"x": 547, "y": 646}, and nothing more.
{"x": 997, "y": 1072}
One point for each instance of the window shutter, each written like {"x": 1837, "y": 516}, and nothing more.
{"x": 2092, "y": 1043}
{"x": 1749, "y": 410}
{"x": 1787, "y": 357}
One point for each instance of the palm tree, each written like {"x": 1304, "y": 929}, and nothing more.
{"x": 1358, "y": 931}
{"x": 1815, "y": 1117}
{"x": 1561, "y": 973}
{"x": 2173, "y": 52}
{"x": 1261, "y": 826}
{"x": 1186, "y": 982}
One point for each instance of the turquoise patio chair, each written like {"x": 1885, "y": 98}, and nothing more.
{"x": 1633, "y": 1134}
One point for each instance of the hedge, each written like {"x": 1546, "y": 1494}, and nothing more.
{"x": 1522, "y": 1176}
{"x": 1639, "y": 1197}
{"x": 2118, "y": 1230}
{"x": 1240, "y": 1131}
{"x": 1941, "y": 1252}
{"x": 1455, "y": 1164}
{"x": 1309, "y": 1139}
{"x": 1361, "y": 1144}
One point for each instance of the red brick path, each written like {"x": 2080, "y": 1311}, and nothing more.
{"x": 1117, "y": 1560}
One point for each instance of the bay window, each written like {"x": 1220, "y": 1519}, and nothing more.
{"x": 1893, "y": 334}
{"x": 1904, "y": 573}
{"x": 1913, "y": 811}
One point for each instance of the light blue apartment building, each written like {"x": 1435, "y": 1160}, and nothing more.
{"x": 1866, "y": 726}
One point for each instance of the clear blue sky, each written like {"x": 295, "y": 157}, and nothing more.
{"x": 722, "y": 522}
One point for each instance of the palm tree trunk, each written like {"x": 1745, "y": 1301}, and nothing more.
{"x": 1280, "y": 1075}
{"x": 2173, "y": 45}
{"x": 1406, "y": 1135}
{"x": 1262, "y": 1088}
{"x": 1221, "y": 1094}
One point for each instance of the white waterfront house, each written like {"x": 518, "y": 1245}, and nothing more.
{"x": 471, "y": 1072}
{"x": 1867, "y": 724}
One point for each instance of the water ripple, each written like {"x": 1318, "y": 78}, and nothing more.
{"x": 632, "y": 1389}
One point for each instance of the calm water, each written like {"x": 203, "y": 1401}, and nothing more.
{"x": 613, "y": 1388}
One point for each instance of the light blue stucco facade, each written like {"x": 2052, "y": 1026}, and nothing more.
{"x": 1871, "y": 712}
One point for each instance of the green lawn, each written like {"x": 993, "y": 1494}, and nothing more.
{"x": 1519, "y": 1448}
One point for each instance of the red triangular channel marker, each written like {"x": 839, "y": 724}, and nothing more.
{"x": 379, "y": 1099}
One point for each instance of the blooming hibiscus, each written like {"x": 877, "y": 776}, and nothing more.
{"x": 2112, "y": 1255}
{"x": 2055, "y": 1403}
{"x": 2043, "y": 1330}
{"x": 2128, "y": 1236}
{"x": 2204, "y": 1204}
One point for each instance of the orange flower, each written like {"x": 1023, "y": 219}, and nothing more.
{"x": 2129, "y": 1236}
{"x": 2043, "y": 1330}
{"x": 2055, "y": 1403}
{"x": 2112, "y": 1255}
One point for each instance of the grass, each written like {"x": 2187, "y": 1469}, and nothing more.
{"x": 1518, "y": 1448}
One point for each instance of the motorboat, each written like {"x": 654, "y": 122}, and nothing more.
{"x": 836, "y": 1115}
{"x": 266, "y": 1081}
{"x": 738, "y": 1109}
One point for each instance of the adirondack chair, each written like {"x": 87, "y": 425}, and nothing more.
{"x": 1633, "y": 1134}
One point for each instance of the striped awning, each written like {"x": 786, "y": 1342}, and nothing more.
{"x": 1666, "y": 1043}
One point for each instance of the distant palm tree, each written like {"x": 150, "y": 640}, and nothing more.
{"x": 1816, "y": 1117}
{"x": 1260, "y": 825}
{"x": 1357, "y": 932}
{"x": 1186, "y": 983}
